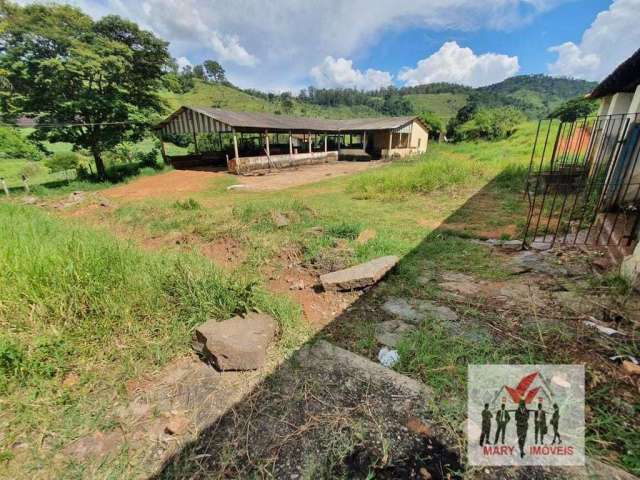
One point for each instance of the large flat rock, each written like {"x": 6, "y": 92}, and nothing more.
{"x": 360, "y": 276}
{"x": 239, "y": 343}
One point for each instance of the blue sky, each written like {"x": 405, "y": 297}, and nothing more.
{"x": 398, "y": 48}
{"x": 289, "y": 44}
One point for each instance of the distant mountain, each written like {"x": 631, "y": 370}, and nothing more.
{"x": 534, "y": 95}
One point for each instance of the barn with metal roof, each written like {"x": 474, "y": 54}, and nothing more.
{"x": 248, "y": 141}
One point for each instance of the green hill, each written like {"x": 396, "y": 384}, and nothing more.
{"x": 535, "y": 95}
{"x": 444, "y": 105}
{"x": 232, "y": 98}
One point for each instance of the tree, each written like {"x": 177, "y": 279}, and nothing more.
{"x": 215, "y": 71}
{"x": 573, "y": 109}
{"x": 13, "y": 145}
{"x": 286, "y": 101}
{"x": 198, "y": 72}
{"x": 94, "y": 82}
{"x": 490, "y": 124}
{"x": 433, "y": 122}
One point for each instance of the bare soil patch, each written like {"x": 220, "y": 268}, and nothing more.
{"x": 174, "y": 184}
{"x": 182, "y": 183}
{"x": 294, "y": 177}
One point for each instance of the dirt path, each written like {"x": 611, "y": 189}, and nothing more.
{"x": 294, "y": 177}
{"x": 182, "y": 183}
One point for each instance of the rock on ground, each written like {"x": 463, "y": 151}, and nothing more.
{"x": 459, "y": 283}
{"x": 415, "y": 313}
{"x": 239, "y": 343}
{"x": 390, "y": 332}
{"x": 360, "y": 276}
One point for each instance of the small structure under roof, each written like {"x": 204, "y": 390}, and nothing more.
{"x": 258, "y": 140}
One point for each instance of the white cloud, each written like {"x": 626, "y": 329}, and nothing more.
{"x": 612, "y": 37}
{"x": 456, "y": 64}
{"x": 287, "y": 38}
{"x": 339, "y": 72}
{"x": 228, "y": 48}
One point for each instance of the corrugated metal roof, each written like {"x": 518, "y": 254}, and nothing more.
{"x": 273, "y": 122}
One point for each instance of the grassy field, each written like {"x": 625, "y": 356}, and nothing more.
{"x": 444, "y": 105}
{"x": 86, "y": 305}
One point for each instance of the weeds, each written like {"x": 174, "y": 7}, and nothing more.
{"x": 77, "y": 300}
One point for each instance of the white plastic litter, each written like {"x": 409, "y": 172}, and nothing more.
{"x": 387, "y": 357}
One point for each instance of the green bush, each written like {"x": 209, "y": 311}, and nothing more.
{"x": 63, "y": 161}
{"x": 14, "y": 145}
{"x": 433, "y": 122}
{"x": 489, "y": 124}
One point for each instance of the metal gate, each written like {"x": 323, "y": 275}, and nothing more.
{"x": 583, "y": 183}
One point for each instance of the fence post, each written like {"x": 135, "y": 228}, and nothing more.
{"x": 26, "y": 184}
{"x": 4, "y": 186}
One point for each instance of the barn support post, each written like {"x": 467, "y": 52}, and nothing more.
{"x": 290, "y": 144}
{"x": 309, "y": 142}
{"x": 195, "y": 142}
{"x": 325, "y": 143}
{"x": 266, "y": 142}
{"x": 390, "y": 141}
{"x": 235, "y": 145}
{"x": 364, "y": 140}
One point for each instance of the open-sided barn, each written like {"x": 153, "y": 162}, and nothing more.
{"x": 249, "y": 141}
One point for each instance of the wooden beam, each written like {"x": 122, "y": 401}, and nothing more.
{"x": 325, "y": 143}
{"x": 390, "y": 139}
{"x": 290, "y": 144}
{"x": 364, "y": 140}
{"x": 309, "y": 142}
{"x": 266, "y": 139}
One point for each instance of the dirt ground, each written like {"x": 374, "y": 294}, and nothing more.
{"x": 182, "y": 183}
{"x": 294, "y": 177}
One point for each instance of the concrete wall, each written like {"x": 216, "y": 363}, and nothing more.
{"x": 419, "y": 137}
{"x": 402, "y": 144}
{"x": 248, "y": 164}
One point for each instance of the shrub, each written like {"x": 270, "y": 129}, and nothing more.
{"x": 489, "y": 124}
{"x": 14, "y": 145}
{"x": 433, "y": 122}
{"x": 62, "y": 161}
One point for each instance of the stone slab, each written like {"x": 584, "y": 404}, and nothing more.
{"x": 360, "y": 276}
{"x": 239, "y": 343}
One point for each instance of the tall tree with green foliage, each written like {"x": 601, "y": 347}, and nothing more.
{"x": 215, "y": 71}
{"x": 575, "y": 108}
{"x": 94, "y": 82}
